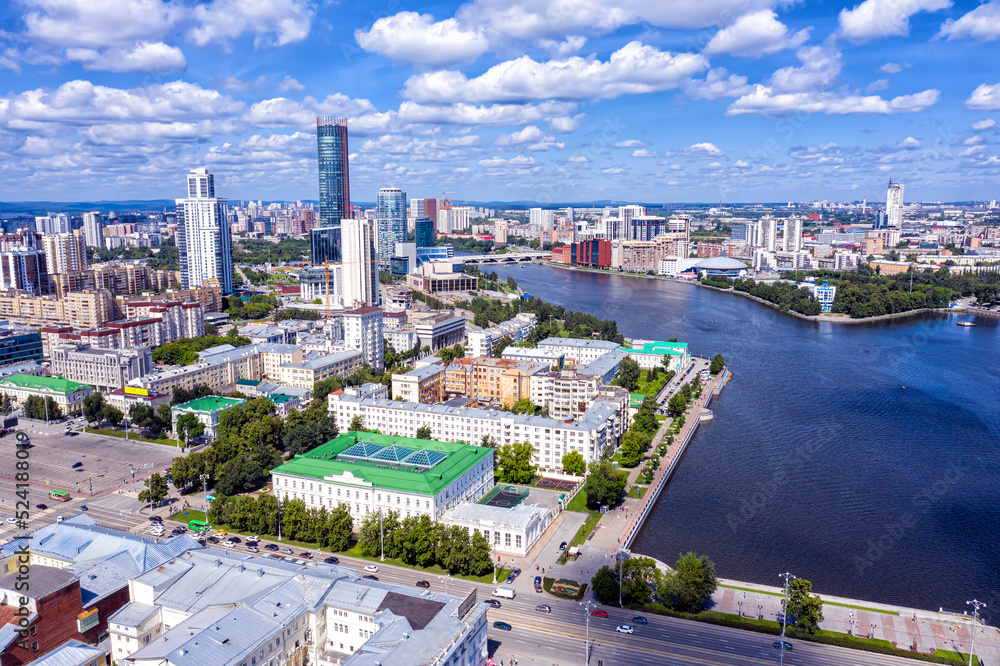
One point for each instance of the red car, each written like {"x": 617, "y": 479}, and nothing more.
{"x": 599, "y": 613}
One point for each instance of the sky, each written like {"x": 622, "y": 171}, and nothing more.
{"x": 503, "y": 100}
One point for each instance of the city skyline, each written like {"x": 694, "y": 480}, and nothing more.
{"x": 707, "y": 102}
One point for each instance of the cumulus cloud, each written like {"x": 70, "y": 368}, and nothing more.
{"x": 894, "y": 67}
{"x": 519, "y": 161}
{"x": 493, "y": 114}
{"x": 982, "y": 24}
{"x": 717, "y": 83}
{"x": 612, "y": 170}
{"x": 909, "y": 143}
{"x": 564, "y": 48}
{"x": 877, "y": 85}
{"x": 271, "y": 22}
{"x": 633, "y": 69}
{"x": 530, "y": 138}
{"x": 765, "y": 101}
{"x": 984, "y": 124}
{"x": 284, "y": 112}
{"x": 418, "y": 39}
{"x": 703, "y": 151}
{"x": 755, "y": 34}
{"x": 147, "y": 57}
{"x": 288, "y": 84}
{"x": 578, "y": 158}
{"x": 820, "y": 67}
{"x": 985, "y": 98}
{"x": 643, "y": 152}
{"x": 565, "y": 124}
{"x": 874, "y": 19}
{"x": 97, "y": 23}
{"x": 627, "y": 143}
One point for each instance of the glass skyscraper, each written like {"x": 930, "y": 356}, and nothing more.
{"x": 424, "y": 228}
{"x": 390, "y": 215}
{"x": 334, "y": 188}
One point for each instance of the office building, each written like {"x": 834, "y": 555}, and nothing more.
{"x": 104, "y": 369}
{"x": 25, "y": 270}
{"x": 437, "y": 328}
{"x": 203, "y": 236}
{"x": 793, "y": 234}
{"x": 360, "y": 267}
{"x": 363, "y": 331}
{"x": 334, "y": 172}
{"x": 481, "y": 340}
{"x": 322, "y": 282}
{"x": 325, "y": 245}
{"x": 894, "y": 204}
{"x": 67, "y": 394}
{"x": 93, "y": 229}
{"x": 440, "y": 277}
{"x": 424, "y": 384}
{"x": 510, "y": 530}
{"x": 65, "y": 253}
{"x": 390, "y": 219}
{"x": 19, "y": 345}
{"x": 646, "y": 227}
{"x": 404, "y": 259}
{"x": 825, "y": 294}
{"x": 424, "y": 232}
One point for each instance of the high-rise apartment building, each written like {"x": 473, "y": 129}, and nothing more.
{"x": 390, "y": 217}
{"x": 894, "y": 204}
{"x": 53, "y": 223}
{"x": 93, "y": 230}
{"x": 545, "y": 219}
{"x": 793, "y": 234}
{"x": 424, "y": 232}
{"x": 360, "y": 267}
{"x": 628, "y": 212}
{"x": 65, "y": 253}
{"x": 203, "y": 236}
{"x": 770, "y": 229}
{"x": 334, "y": 189}
{"x": 25, "y": 270}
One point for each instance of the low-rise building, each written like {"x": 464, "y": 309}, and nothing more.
{"x": 424, "y": 384}
{"x": 368, "y": 472}
{"x": 578, "y": 351}
{"x": 437, "y": 328}
{"x": 565, "y": 394}
{"x": 19, "y": 344}
{"x": 67, "y": 394}
{"x": 124, "y": 398}
{"x": 538, "y": 355}
{"x": 75, "y": 653}
{"x": 267, "y": 333}
{"x": 438, "y": 277}
{"x": 510, "y": 530}
{"x": 651, "y": 353}
{"x": 481, "y": 341}
{"x": 104, "y": 369}
{"x": 207, "y": 410}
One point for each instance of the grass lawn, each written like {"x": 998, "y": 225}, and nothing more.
{"x": 579, "y": 504}
{"x": 111, "y": 432}
{"x": 187, "y": 515}
{"x": 637, "y": 491}
{"x": 660, "y": 417}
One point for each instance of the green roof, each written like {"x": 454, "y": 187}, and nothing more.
{"x": 212, "y": 403}
{"x": 279, "y": 398}
{"x": 659, "y": 348}
{"x": 326, "y": 460}
{"x": 248, "y": 382}
{"x": 636, "y": 399}
{"x": 44, "y": 384}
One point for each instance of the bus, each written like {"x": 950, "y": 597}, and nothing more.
{"x": 60, "y": 495}
{"x": 198, "y": 525}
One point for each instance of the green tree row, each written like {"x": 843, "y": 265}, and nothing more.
{"x": 330, "y": 528}
{"x": 488, "y": 311}
{"x": 185, "y": 351}
{"x": 686, "y": 588}
{"x": 417, "y": 540}
{"x": 260, "y": 251}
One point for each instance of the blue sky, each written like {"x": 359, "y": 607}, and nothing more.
{"x": 543, "y": 100}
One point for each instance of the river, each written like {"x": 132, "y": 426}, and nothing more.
{"x": 819, "y": 461}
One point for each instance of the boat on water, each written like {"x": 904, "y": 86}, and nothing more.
{"x": 966, "y": 323}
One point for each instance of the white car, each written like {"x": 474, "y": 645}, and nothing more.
{"x": 371, "y": 568}
{"x": 229, "y": 544}
{"x": 253, "y": 539}
{"x": 624, "y": 629}
{"x": 12, "y": 520}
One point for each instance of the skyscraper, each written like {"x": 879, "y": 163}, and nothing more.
{"x": 390, "y": 216}
{"x": 203, "y": 237}
{"x": 793, "y": 234}
{"x": 894, "y": 204}
{"x": 770, "y": 240}
{"x": 53, "y": 223}
{"x": 424, "y": 232}
{"x": 360, "y": 267}
{"x": 93, "y": 230}
{"x": 334, "y": 188}
{"x": 65, "y": 253}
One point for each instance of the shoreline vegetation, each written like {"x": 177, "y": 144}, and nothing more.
{"x": 835, "y": 318}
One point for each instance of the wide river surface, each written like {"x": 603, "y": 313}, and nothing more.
{"x": 819, "y": 461}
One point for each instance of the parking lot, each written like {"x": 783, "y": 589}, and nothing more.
{"x": 106, "y": 461}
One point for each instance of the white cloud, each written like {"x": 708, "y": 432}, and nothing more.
{"x": 519, "y": 161}
{"x": 627, "y": 143}
{"x": 820, "y": 67}
{"x": 578, "y": 158}
{"x": 272, "y": 22}
{"x": 284, "y": 112}
{"x": 981, "y": 125}
{"x": 567, "y": 124}
{"x": 148, "y": 57}
{"x": 909, "y": 143}
{"x": 703, "y": 151}
{"x": 985, "y": 98}
{"x": 894, "y": 67}
{"x": 633, "y": 69}
{"x": 755, "y": 34}
{"x": 612, "y": 170}
{"x": 765, "y": 101}
{"x": 567, "y": 47}
{"x": 973, "y": 141}
{"x": 97, "y": 23}
{"x": 119, "y": 134}
{"x": 982, "y": 23}
{"x": 877, "y": 85}
{"x": 531, "y": 138}
{"x": 717, "y": 83}
{"x": 494, "y": 114}
{"x": 642, "y": 152}
{"x": 740, "y": 164}
{"x": 288, "y": 84}
{"x": 416, "y": 38}
{"x": 873, "y": 19}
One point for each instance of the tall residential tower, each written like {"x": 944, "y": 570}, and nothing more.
{"x": 390, "y": 215}
{"x": 334, "y": 189}
{"x": 894, "y": 204}
{"x": 360, "y": 267}
{"x": 203, "y": 237}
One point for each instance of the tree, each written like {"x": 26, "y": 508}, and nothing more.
{"x": 164, "y": 416}
{"x": 357, "y": 424}
{"x": 155, "y": 491}
{"x": 189, "y": 427}
{"x": 715, "y": 367}
{"x": 806, "y": 608}
{"x": 480, "y": 556}
{"x": 93, "y": 407}
{"x": 645, "y": 420}
{"x": 692, "y": 582}
{"x": 605, "y": 585}
{"x": 637, "y": 574}
{"x": 677, "y": 404}
{"x": 514, "y": 462}
{"x": 424, "y": 432}
{"x": 573, "y": 463}
{"x": 37, "y": 408}
{"x": 114, "y": 415}
{"x": 500, "y": 345}
{"x": 339, "y": 527}
{"x": 605, "y": 485}
{"x": 239, "y": 475}
{"x": 628, "y": 374}
{"x": 488, "y": 442}
{"x": 524, "y": 406}
{"x": 634, "y": 444}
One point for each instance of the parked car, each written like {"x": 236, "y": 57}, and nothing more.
{"x": 639, "y": 620}
{"x": 510, "y": 579}
{"x": 562, "y": 546}
{"x": 493, "y": 602}
{"x": 370, "y": 577}
{"x": 371, "y": 567}
{"x": 624, "y": 629}
{"x": 423, "y": 583}
{"x": 329, "y": 560}
{"x": 599, "y": 613}
{"x": 538, "y": 583}
{"x": 502, "y": 625}
{"x": 516, "y": 572}
{"x": 270, "y": 546}
{"x": 544, "y": 608}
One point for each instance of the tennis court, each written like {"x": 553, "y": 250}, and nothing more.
{"x": 555, "y": 484}
{"x": 506, "y": 496}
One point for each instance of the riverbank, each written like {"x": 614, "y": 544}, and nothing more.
{"x": 822, "y": 318}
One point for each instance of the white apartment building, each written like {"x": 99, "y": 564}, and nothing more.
{"x": 203, "y": 235}
{"x": 600, "y": 427}
{"x": 481, "y": 341}
{"x": 579, "y": 351}
{"x": 65, "y": 253}
{"x": 424, "y": 384}
{"x": 104, "y": 369}
{"x": 360, "y": 266}
{"x": 93, "y": 230}
{"x": 363, "y": 331}
{"x": 566, "y": 394}
{"x": 542, "y": 218}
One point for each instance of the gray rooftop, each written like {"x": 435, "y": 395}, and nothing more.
{"x": 44, "y": 581}
{"x": 581, "y": 343}
{"x": 604, "y": 364}
{"x": 518, "y": 517}
{"x": 71, "y": 653}
{"x": 424, "y": 372}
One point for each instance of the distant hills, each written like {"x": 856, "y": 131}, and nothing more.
{"x": 14, "y": 208}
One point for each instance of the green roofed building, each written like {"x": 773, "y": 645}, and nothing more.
{"x": 649, "y": 353}
{"x": 369, "y": 472}
{"x": 67, "y": 394}
{"x": 207, "y": 410}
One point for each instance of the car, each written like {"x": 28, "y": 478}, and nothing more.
{"x": 59, "y": 519}
{"x": 305, "y": 554}
{"x": 544, "y": 608}
{"x": 253, "y": 549}
{"x": 270, "y": 546}
{"x": 287, "y": 551}
{"x": 155, "y": 519}
{"x": 177, "y": 530}
{"x": 502, "y": 625}
{"x": 201, "y": 542}
{"x": 41, "y": 506}
{"x": 782, "y": 645}
{"x": 423, "y": 583}
{"x": 77, "y": 465}
{"x": 562, "y": 546}
{"x": 624, "y": 629}
{"x": 510, "y": 579}
{"x": 253, "y": 539}
{"x": 493, "y": 602}
{"x": 599, "y": 613}
{"x": 157, "y": 529}
{"x": 229, "y": 544}
{"x": 220, "y": 533}
{"x": 213, "y": 540}
{"x": 515, "y": 573}
{"x": 639, "y": 620}
{"x": 370, "y": 577}
{"x": 538, "y": 583}
{"x": 371, "y": 567}
{"x": 329, "y": 560}
{"x": 235, "y": 539}
{"x": 83, "y": 507}
{"x": 12, "y": 520}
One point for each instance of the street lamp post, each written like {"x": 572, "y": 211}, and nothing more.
{"x": 586, "y": 645}
{"x": 494, "y": 564}
{"x": 204, "y": 490}
{"x": 622, "y": 556}
{"x": 126, "y": 513}
{"x": 381, "y": 534}
{"x": 784, "y": 613}
{"x": 976, "y": 605}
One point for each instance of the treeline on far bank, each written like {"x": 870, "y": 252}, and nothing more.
{"x": 868, "y": 294}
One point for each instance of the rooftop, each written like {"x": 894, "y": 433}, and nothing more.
{"x": 43, "y": 384}
{"x": 71, "y": 653}
{"x": 578, "y": 343}
{"x": 518, "y": 517}
{"x": 657, "y": 347}
{"x": 211, "y": 403}
{"x": 422, "y": 466}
